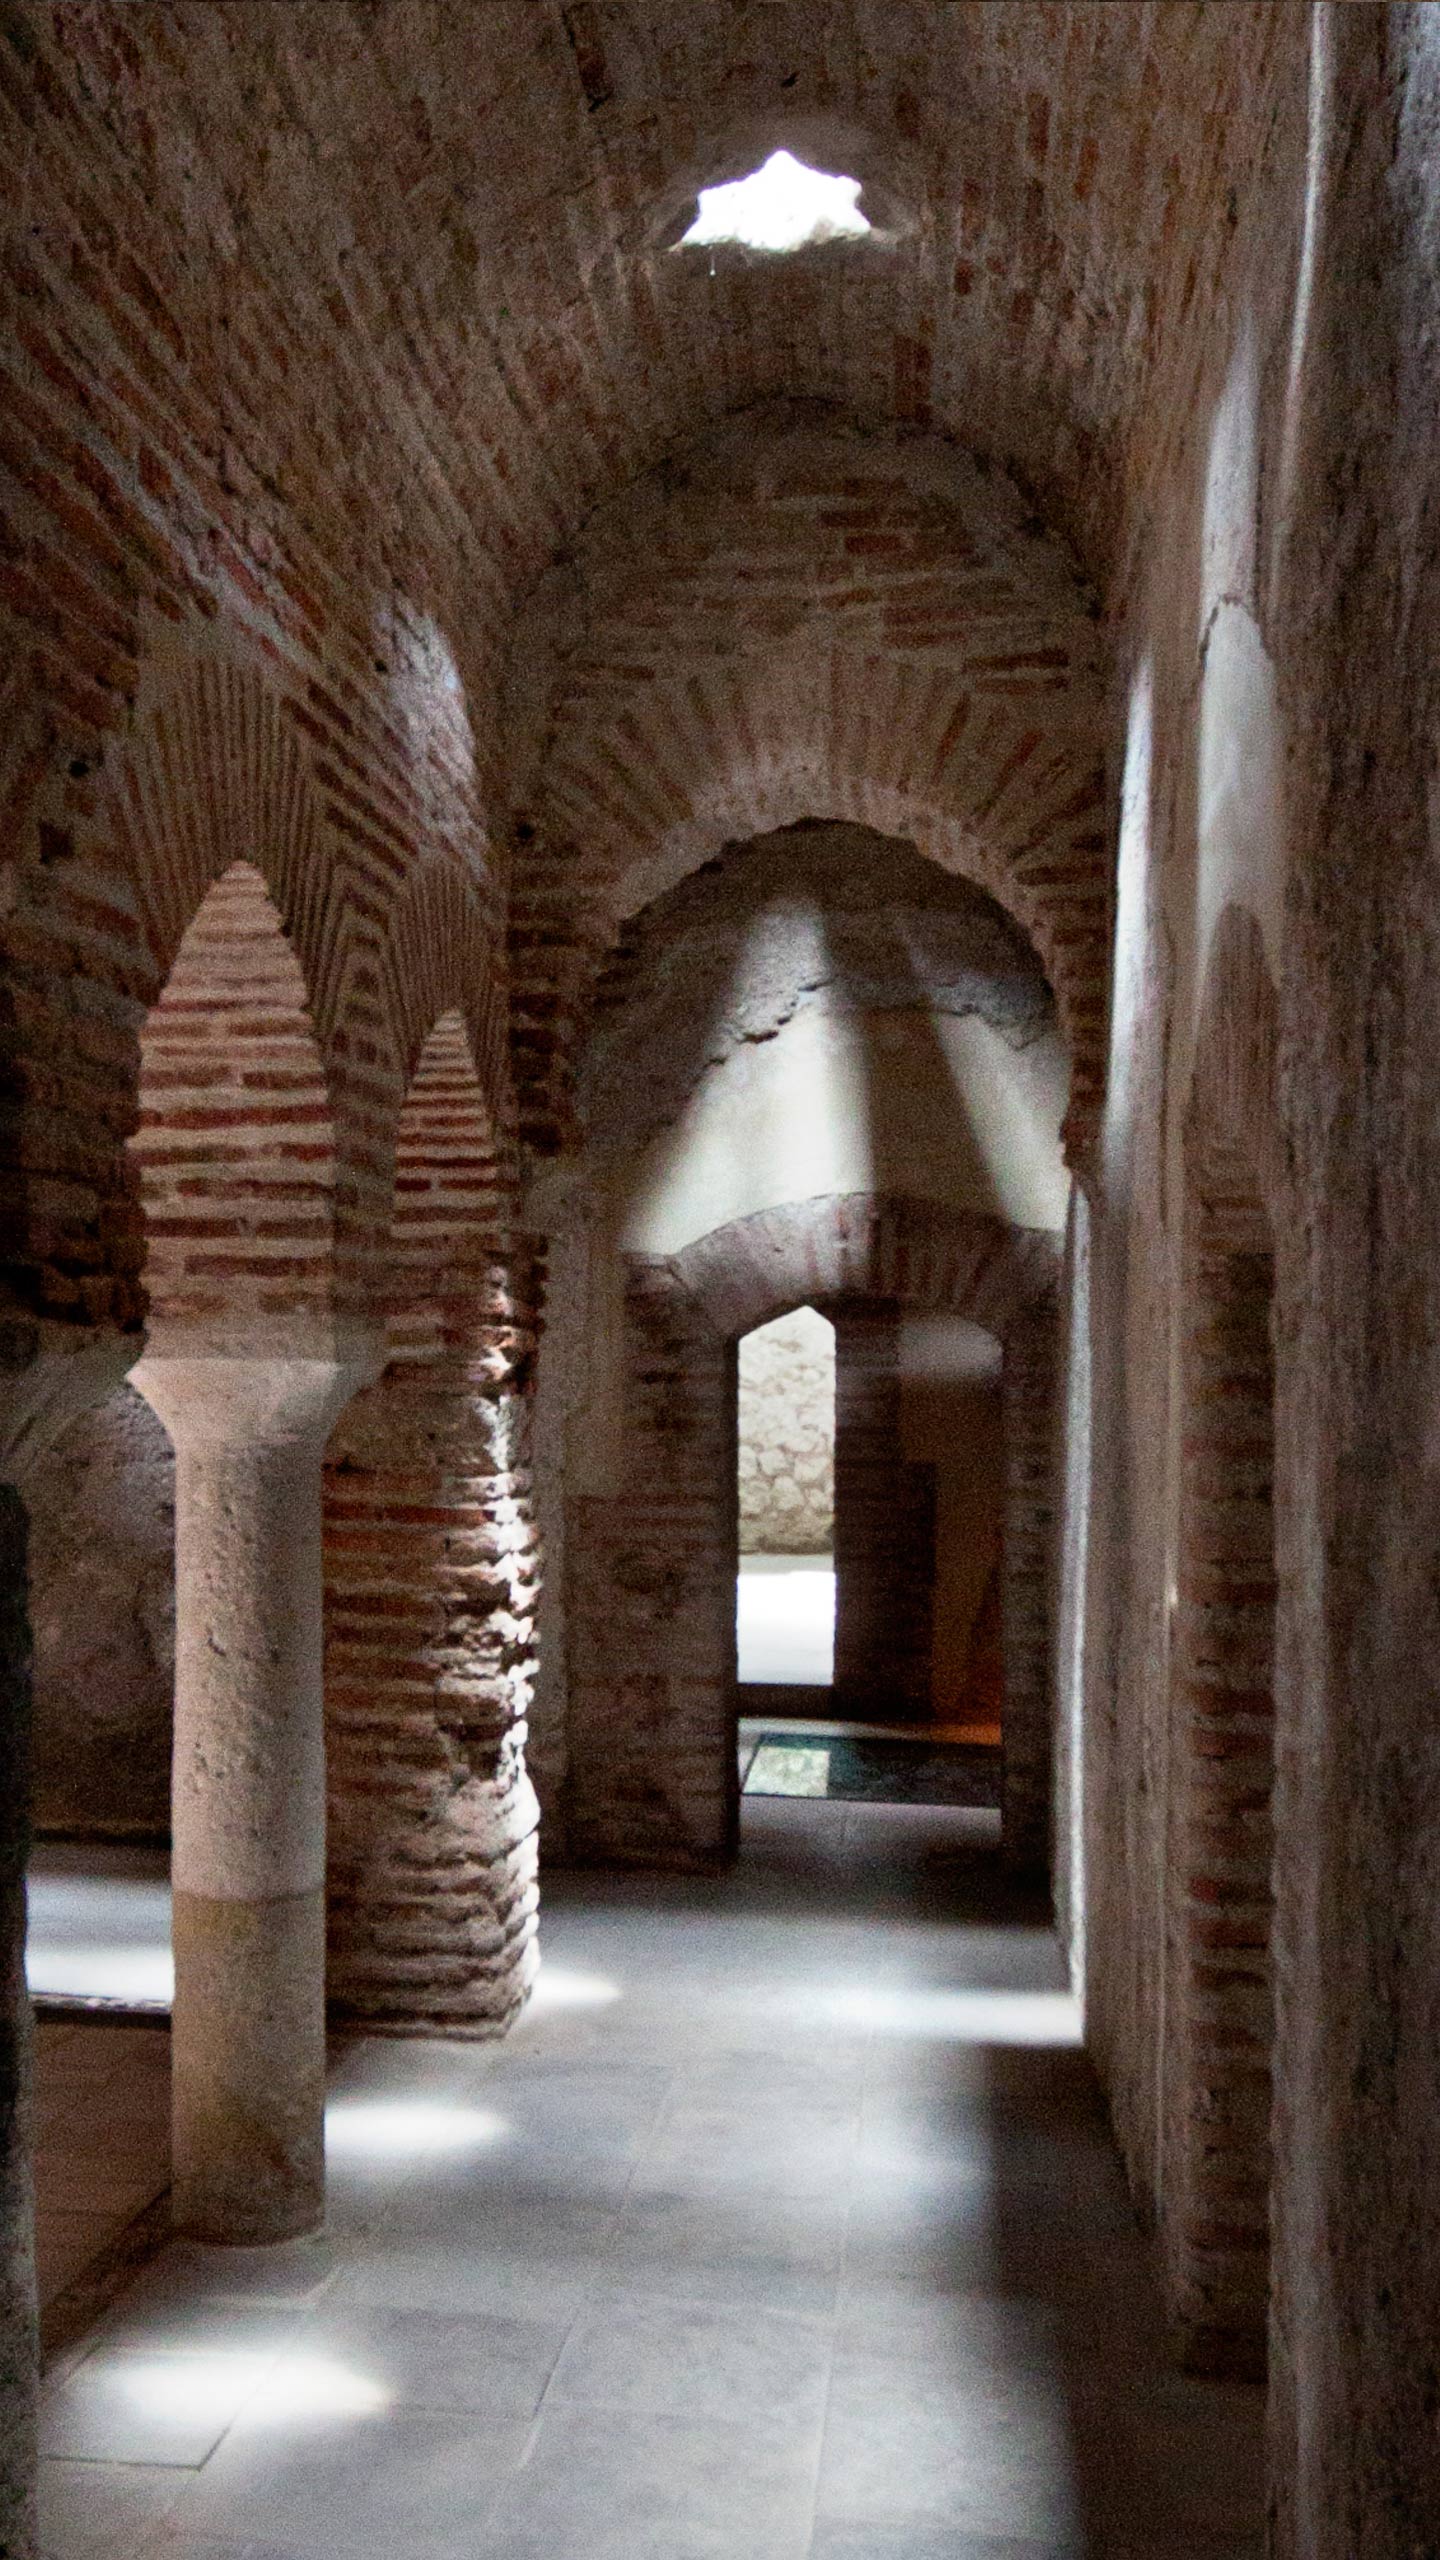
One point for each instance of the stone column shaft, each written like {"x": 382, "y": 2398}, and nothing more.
{"x": 248, "y": 1868}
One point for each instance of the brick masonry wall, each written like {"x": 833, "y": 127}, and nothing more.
{"x": 236, "y": 1144}
{"x": 884, "y": 1529}
{"x": 649, "y": 1600}
{"x": 1220, "y": 2006}
{"x": 652, "y": 1776}
{"x": 681, "y": 689}
{"x": 1029, "y": 1574}
{"x": 312, "y": 420}
{"x": 286, "y": 432}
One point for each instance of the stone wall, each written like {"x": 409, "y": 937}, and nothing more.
{"x": 102, "y": 1573}
{"x": 787, "y": 1437}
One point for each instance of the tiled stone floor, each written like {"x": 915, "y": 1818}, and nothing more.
{"x": 786, "y": 2227}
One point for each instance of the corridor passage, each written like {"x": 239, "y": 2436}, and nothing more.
{"x": 785, "y": 2227}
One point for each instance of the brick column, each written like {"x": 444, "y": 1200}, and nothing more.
{"x": 651, "y": 1604}
{"x": 1029, "y": 1382}
{"x": 432, "y": 1581}
{"x": 884, "y": 1530}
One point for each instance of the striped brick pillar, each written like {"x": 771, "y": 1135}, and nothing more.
{"x": 248, "y": 1862}
{"x": 432, "y": 1573}
{"x": 884, "y": 1530}
{"x": 432, "y": 1586}
{"x": 1029, "y": 1381}
{"x": 653, "y": 1779}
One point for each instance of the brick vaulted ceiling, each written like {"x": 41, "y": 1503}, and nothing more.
{"x": 332, "y": 329}
{"x": 479, "y": 195}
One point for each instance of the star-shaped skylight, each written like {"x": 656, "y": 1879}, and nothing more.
{"x": 780, "y": 206}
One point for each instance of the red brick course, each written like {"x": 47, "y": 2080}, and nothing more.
{"x": 431, "y": 1589}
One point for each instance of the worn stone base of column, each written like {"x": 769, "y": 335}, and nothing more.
{"x": 249, "y": 2060}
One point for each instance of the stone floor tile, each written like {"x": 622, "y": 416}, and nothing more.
{"x": 395, "y": 2273}
{"x": 100, "y": 2510}
{"x": 992, "y": 2455}
{"x": 489, "y": 2364}
{"x": 771, "y": 2253}
{"x": 130, "y": 2406}
{"x": 290, "y": 2272}
{"x": 933, "y": 2542}
{"x": 602, "y": 2486}
{"x": 730, "y": 2366}
{"x": 364, "y": 2483}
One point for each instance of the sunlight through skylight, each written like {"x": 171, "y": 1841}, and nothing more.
{"x": 781, "y": 206}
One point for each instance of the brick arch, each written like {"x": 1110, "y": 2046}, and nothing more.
{"x": 651, "y": 1571}
{"x": 440, "y": 955}
{"x": 431, "y": 1579}
{"x": 1220, "y": 2005}
{"x": 448, "y": 1203}
{"x": 856, "y": 1245}
{"x": 808, "y": 621}
{"x": 235, "y": 1149}
{"x": 217, "y": 776}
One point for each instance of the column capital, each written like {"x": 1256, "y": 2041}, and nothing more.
{"x": 219, "y": 1399}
